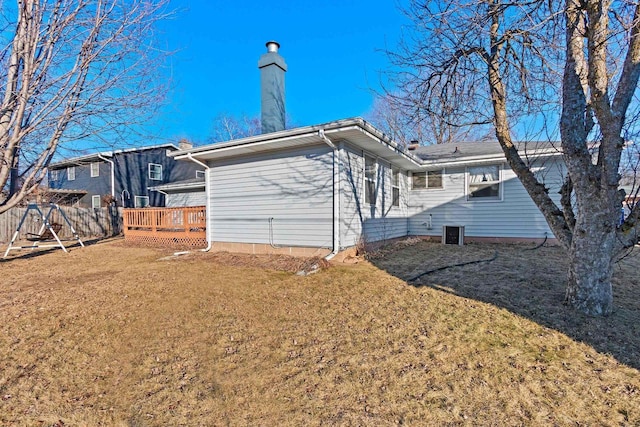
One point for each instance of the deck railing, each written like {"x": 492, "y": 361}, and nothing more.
{"x": 172, "y": 227}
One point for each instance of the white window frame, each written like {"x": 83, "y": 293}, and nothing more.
{"x": 152, "y": 175}
{"x": 499, "y": 182}
{"x": 95, "y": 169}
{"x": 395, "y": 187}
{"x": 54, "y": 175}
{"x": 200, "y": 174}
{"x": 426, "y": 180}
{"x": 366, "y": 180}
{"x": 136, "y": 204}
{"x": 93, "y": 201}
{"x": 71, "y": 173}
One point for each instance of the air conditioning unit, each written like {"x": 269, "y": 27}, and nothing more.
{"x": 453, "y": 234}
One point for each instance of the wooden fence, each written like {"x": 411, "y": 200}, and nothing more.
{"x": 88, "y": 222}
{"x": 171, "y": 227}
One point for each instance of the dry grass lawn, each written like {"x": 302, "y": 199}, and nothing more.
{"x": 115, "y": 335}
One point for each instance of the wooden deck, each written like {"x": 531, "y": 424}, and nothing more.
{"x": 166, "y": 227}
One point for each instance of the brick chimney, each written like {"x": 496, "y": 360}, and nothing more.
{"x": 272, "y": 68}
{"x": 184, "y": 144}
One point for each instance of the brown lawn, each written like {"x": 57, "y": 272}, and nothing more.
{"x": 115, "y": 335}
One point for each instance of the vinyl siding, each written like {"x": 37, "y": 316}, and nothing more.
{"x": 186, "y": 198}
{"x": 514, "y": 216}
{"x": 293, "y": 188}
{"x": 94, "y": 186}
{"x": 363, "y": 220}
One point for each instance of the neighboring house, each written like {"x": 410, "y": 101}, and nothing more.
{"x": 325, "y": 188}
{"x": 631, "y": 198}
{"x": 123, "y": 176}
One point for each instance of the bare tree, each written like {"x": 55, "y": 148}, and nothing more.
{"x": 397, "y": 116}
{"x": 71, "y": 69}
{"x": 226, "y": 127}
{"x": 575, "y": 63}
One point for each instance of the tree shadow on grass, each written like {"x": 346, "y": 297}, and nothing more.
{"x": 38, "y": 252}
{"x": 528, "y": 282}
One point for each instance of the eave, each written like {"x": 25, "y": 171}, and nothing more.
{"x": 356, "y": 131}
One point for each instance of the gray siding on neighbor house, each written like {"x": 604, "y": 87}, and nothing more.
{"x": 364, "y": 221}
{"x": 186, "y": 198}
{"x": 283, "y": 198}
{"x": 515, "y": 216}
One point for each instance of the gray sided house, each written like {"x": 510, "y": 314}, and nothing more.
{"x": 325, "y": 188}
{"x": 121, "y": 175}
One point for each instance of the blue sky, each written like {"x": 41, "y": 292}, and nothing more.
{"x": 332, "y": 49}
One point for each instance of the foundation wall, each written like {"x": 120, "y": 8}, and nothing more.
{"x": 264, "y": 249}
{"x": 507, "y": 240}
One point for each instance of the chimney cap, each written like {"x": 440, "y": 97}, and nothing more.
{"x": 184, "y": 144}
{"x": 273, "y": 46}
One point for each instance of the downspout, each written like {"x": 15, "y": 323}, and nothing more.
{"x": 207, "y": 188}
{"x": 336, "y": 195}
{"x": 113, "y": 175}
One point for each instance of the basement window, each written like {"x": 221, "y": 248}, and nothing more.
{"x": 483, "y": 183}
{"x": 429, "y": 180}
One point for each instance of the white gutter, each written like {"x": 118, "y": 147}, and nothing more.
{"x": 207, "y": 188}
{"x": 483, "y": 159}
{"x": 233, "y": 146}
{"x": 178, "y": 186}
{"x": 113, "y": 175}
{"x": 336, "y": 196}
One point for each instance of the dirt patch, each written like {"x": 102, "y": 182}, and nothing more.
{"x": 109, "y": 335}
{"x": 269, "y": 262}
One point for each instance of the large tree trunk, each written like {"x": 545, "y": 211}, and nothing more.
{"x": 590, "y": 270}
{"x": 592, "y": 252}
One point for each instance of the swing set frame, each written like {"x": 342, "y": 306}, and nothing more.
{"x": 47, "y": 228}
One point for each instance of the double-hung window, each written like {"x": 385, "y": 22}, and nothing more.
{"x": 483, "y": 183}
{"x": 71, "y": 173}
{"x": 95, "y": 169}
{"x": 395, "y": 187}
{"x": 95, "y": 202}
{"x": 429, "y": 179}
{"x": 370, "y": 180}
{"x": 155, "y": 172}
